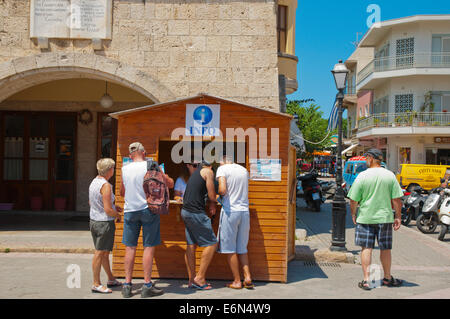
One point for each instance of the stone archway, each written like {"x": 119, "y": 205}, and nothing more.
{"x": 24, "y": 72}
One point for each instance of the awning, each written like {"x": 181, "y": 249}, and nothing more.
{"x": 349, "y": 149}
{"x": 297, "y": 137}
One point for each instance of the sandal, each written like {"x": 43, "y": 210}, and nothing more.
{"x": 364, "y": 285}
{"x": 191, "y": 286}
{"x": 393, "y": 282}
{"x": 199, "y": 287}
{"x": 233, "y": 287}
{"x": 249, "y": 285}
{"x": 101, "y": 289}
{"x": 113, "y": 283}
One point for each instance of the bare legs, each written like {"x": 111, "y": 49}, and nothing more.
{"x": 233, "y": 261}
{"x": 130, "y": 253}
{"x": 207, "y": 255}
{"x": 101, "y": 258}
{"x": 386, "y": 260}
{"x": 147, "y": 263}
{"x": 366, "y": 260}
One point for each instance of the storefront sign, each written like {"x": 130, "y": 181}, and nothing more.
{"x": 265, "y": 170}
{"x": 73, "y": 19}
{"x": 442, "y": 140}
{"x": 202, "y": 120}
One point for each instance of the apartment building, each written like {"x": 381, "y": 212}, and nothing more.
{"x": 66, "y": 64}
{"x": 401, "y": 101}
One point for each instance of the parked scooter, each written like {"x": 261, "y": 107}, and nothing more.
{"x": 428, "y": 220}
{"x": 312, "y": 191}
{"x": 412, "y": 204}
{"x": 444, "y": 215}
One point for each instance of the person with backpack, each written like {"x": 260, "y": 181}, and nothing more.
{"x": 139, "y": 214}
{"x": 199, "y": 232}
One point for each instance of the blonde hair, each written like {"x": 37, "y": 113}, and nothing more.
{"x": 104, "y": 165}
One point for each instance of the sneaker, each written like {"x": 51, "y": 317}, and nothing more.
{"x": 126, "y": 291}
{"x": 150, "y": 291}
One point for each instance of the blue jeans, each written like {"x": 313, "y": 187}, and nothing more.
{"x": 150, "y": 223}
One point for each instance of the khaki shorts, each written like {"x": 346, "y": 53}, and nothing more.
{"x": 103, "y": 234}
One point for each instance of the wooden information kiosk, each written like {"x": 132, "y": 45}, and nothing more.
{"x": 271, "y": 186}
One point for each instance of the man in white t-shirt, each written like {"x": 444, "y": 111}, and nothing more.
{"x": 137, "y": 215}
{"x": 234, "y": 224}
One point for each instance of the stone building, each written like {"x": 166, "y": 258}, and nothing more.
{"x": 58, "y": 59}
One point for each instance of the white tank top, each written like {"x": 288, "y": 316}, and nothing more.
{"x": 133, "y": 180}
{"x": 97, "y": 211}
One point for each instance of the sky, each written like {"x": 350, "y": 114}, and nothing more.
{"x": 324, "y": 34}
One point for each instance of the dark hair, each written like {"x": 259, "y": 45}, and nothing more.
{"x": 184, "y": 172}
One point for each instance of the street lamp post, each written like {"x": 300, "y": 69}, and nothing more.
{"x": 339, "y": 208}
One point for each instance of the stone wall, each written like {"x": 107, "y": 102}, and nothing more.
{"x": 221, "y": 47}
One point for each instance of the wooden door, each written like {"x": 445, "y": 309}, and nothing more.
{"x": 37, "y": 158}
{"x": 64, "y": 127}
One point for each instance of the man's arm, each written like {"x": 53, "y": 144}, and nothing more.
{"x": 209, "y": 178}
{"x": 122, "y": 190}
{"x": 397, "y": 203}
{"x": 353, "y": 210}
{"x": 222, "y": 185}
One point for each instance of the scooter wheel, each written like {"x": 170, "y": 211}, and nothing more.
{"x": 406, "y": 216}
{"x": 444, "y": 229}
{"x": 427, "y": 225}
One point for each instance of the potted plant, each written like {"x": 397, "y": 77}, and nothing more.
{"x": 60, "y": 201}
{"x": 376, "y": 122}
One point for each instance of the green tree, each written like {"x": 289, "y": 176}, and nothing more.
{"x": 312, "y": 125}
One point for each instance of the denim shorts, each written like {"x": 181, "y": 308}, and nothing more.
{"x": 132, "y": 223}
{"x": 198, "y": 229}
{"x": 366, "y": 234}
{"x": 234, "y": 231}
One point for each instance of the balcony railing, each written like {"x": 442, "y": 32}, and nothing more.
{"x": 402, "y": 62}
{"x": 415, "y": 119}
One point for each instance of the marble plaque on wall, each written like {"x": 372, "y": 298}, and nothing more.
{"x": 74, "y": 19}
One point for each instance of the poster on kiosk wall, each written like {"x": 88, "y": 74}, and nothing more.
{"x": 202, "y": 120}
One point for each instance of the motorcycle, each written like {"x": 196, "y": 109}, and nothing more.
{"x": 312, "y": 191}
{"x": 428, "y": 220}
{"x": 412, "y": 204}
{"x": 444, "y": 215}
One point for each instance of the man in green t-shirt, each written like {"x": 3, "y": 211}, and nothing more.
{"x": 376, "y": 190}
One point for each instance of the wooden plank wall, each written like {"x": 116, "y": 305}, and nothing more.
{"x": 268, "y": 243}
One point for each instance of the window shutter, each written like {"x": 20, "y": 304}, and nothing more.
{"x": 446, "y": 103}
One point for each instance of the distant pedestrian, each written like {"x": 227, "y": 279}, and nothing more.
{"x": 137, "y": 215}
{"x": 376, "y": 190}
{"x": 199, "y": 232}
{"x": 234, "y": 224}
{"x": 102, "y": 214}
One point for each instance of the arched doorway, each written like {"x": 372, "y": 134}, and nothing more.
{"x": 48, "y": 152}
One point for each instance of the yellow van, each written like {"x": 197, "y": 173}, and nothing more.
{"x": 427, "y": 176}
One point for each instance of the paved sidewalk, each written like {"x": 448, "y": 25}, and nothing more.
{"x": 65, "y": 232}
{"x": 46, "y": 275}
{"x": 410, "y": 247}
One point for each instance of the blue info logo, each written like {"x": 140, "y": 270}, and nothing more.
{"x": 203, "y": 115}
{"x": 202, "y": 120}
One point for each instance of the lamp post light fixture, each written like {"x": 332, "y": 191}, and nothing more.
{"x": 339, "y": 205}
{"x": 106, "y": 101}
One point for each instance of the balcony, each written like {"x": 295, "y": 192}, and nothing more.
{"x": 404, "y": 62}
{"x": 404, "y": 124}
{"x": 287, "y": 65}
